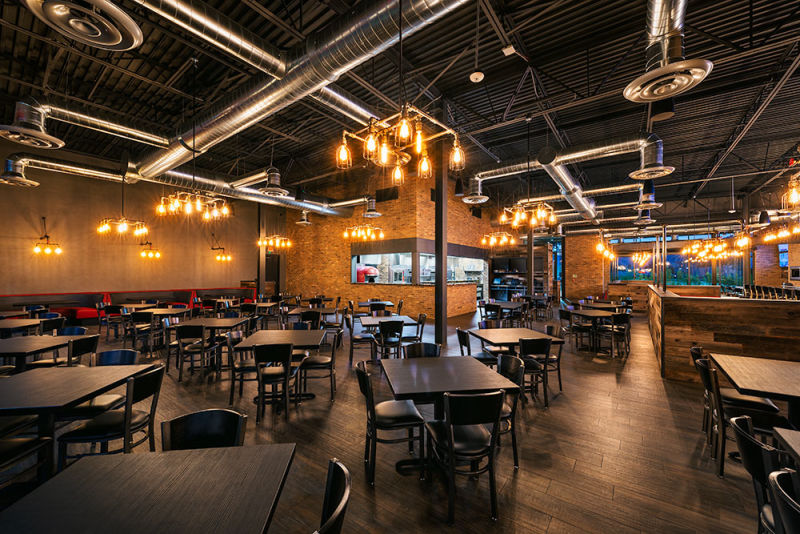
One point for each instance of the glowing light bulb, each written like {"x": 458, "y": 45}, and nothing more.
{"x": 483, "y": 241}
{"x": 188, "y": 208}
{"x": 288, "y": 243}
{"x": 48, "y": 250}
{"x": 230, "y": 257}
{"x": 503, "y": 218}
{"x": 380, "y": 235}
{"x": 419, "y": 146}
{"x": 343, "y": 157}
{"x": 403, "y": 130}
{"x": 143, "y": 254}
{"x": 161, "y": 209}
{"x": 397, "y": 175}
{"x": 219, "y": 257}
{"x": 225, "y": 210}
{"x": 493, "y": 240}
{"x": 58, "y": 250}
{"x": 794, "y": 196}
{"x": 383, "y": 156}
{"x": 424, "y": 170}
{"x": 150, "y": 254}
{"x": 599, "y": 247}
{"x": 215, "y": 212}
{"x": 198, "y": 205}
{"x": 512, "y": 241}
{"x": 37, "y": 249}
{"x": 206, "y": 215}
{"x": 122, "y": 227}
{"x": 158, "y": 254}
{"x": 370, "y": 145}
{"x": 345, "y": 234}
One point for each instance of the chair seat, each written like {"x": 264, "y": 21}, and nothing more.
{"x": 486, "y": 358}
{"x": 397, "y": 414}
{"x": 95, "y": 406}
{"x": 410, "y": 338}
{"x": 11, "y": 424}
{"x": 363, "y": 337}
{"x": 244, "y": 366}
{"x": 505, "y": 411}
{"x": 469, "y": 440}
{"x": 197, "y": 347}
{"x": 494, "y": 349}
{"x": 299, "y": 354}
{"x": 763, "y": 422}
{"x": 733, "y": 397}
{"x": 767, "y": 517}
{"x": 532, "y": 364}
{"x": 47, "y": 362}
{"x": 14, "y": 449}
{"x": 6, "y": 369}
{"x": 388, "y": 340}
{"x": 274, "y": 373}
{"x": 317, "y": 361}
{"x": 107, "y": 425}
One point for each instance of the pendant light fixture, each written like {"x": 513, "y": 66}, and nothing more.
{"x": 457, "y": 160}
{"x": 275, "y": 241}
{"x": 790, "y": 201}
{"x": 419, "y": 142}
{"x": 148, "y": 252}
{"x": 398, "y": 177}
{"x": 732, "y": 209}
{"x": 370, "y": 152}
{"x": 477, "y": 75}
{"x": 344, "y": 159}
{"x": 424, "y": 167}
{"x": 44, "y": 245}
{"x": 122, "y": 224}
{"x": 217, "y": 248}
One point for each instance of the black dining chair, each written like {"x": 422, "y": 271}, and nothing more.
{"x": 315, "y": 302}
{"x": 377, "y": 306}
{"x": 422, "y": 350}
{"x": 117, "y": 357}
{"x": 337, "y": 496}
{"x": 72, "y": 331}
{"x": 122, "y": 423}
{"x": 513, "y": 369}
{"x": 618, "y": 333}
{"x": 275, "y": 369}
{"x": 388, "y": 339}
{"x": 353, "y": 312}
{"x": 494, "y": 350}
{"x": 203, "y": 430}
{"x": 139, "y": 327}
{"x": 193, "y": 343}
{"x": 465, "y": 347}
{"x": 399, "y": 310}
{"x": 463, "y": 439}
{"x": 320, "y": 362}
{"x": 784, "y": 485}
{"x": 312, "y": 317}
{"x": 535, "y": 352}
{"x": 15, "y": 454}
{"x": 363, "y": 338}
{"x": 759, "y": 459}
{"x": 387, "y": 416}
{"x": 76, "y": 348}
{"x": 241, "y": 363}
{"x": 48, "y": 326}
{"x": 115, "y": 319}
{"x": 419, "y": 329}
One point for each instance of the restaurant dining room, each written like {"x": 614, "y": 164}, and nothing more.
{"x": 407, "y": 266}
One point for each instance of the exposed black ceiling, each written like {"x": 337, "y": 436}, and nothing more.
{"x": 583, "y": 53}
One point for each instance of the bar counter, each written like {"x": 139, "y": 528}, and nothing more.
{"x": 728, "y": 325}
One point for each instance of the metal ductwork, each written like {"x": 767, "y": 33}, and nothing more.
{"x": 273, "y": 187}
{"x": 328, "y": 57}
{"x": 667, "y": 72}
{"x": 647, "y": 197}
{"x": 570, "y": 189}
{"x": 215, "y": 185}
{"x": 600, "y": 191}
{"x": 352, "y": 202}
{"x": 250, "y": 179}
{"x": 371, "y": 212}
{"x": 227, "y": 35}
{"x": 28, "y": 128}
{"x": 303, "y": 219}
{"x": 475, "y": 195}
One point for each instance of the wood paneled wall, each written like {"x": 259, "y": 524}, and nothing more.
{"x": 749, "y": 327}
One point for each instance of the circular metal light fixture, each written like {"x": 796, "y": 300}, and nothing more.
{"x": 14, "y": 174}
{"x": 304, "y": 219}
{"x": 371, "y": 212}
{"x": 667, "y": 81}
{"x": 651, "y": 173}
{"x": 476, "y": 77}
{"x": 273, "y": 187}
{"x": 28, "y": 128}
{"x": 475, "y": 195}
{"x": 97, "y": 23}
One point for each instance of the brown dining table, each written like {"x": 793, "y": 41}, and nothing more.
{"x": 764, "y": 377}
{"x": 9, "y": 326}
{"x": 595, "y": 316}
{"x": 8, "y": 314}
{"x": 371, "y": 322}
{"x": 790, "y": 439}
{"x": 21, "y": 347}
{"x": 213, "y": 490}
{"x": 366, "y": 304}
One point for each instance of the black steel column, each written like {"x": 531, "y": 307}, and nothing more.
{"x": 664, "y": 259}
{"x": 260, "y": 260}
{"x": 530, "y": 278}
{"x": 440, "y": 296}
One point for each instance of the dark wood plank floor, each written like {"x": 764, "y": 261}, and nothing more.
{"x": 618, "y": 451}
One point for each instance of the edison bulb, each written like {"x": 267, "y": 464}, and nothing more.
{"x": 122, "y": 227}
{"x": 197, "y": 204}
{"x": 143, "y": 254}
{"x": 503, "y": 218}
{"x": 599, "y": 247}
{"x": 380, "y": 235}
{"x": 215, "y": 212}
{"x": 225, "y": 209}
{"x": 161, "y": 209}
{"x": 150, "y": 254}
{"x": 48, "y": 250}
{"x": 371, "y": 144}
{"x": 58, "y": 250}
{"x": 158, "y": 254}
{"x": 483, "y": 241}
{"x": 794, "y": 196}
{"x": 188, "y": 208}
{"x": 345, "y": 235}
{"x": 383, "y": 157}
{"x": 418, "y": 144}
{"x": 424, "y": 165}
{"x": 206, "y": 215}
{"x": 37, "y": 249}
{"x": 229, "y": 257}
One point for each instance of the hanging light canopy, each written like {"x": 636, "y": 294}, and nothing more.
{"x": 363, "y": 232}
{"x": 537, "y": 215}
{"x": 708, "y": 250}
{"x": 44, "y": 245}
{"x": 275, "y": 241}
{"x": 148, "y": 252}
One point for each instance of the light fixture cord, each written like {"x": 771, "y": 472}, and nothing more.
{"x": 477, "y": 30}
{"x": 528, "y": 142}
{"x": 194, "y": 119}
{"x": 400, "y": 40}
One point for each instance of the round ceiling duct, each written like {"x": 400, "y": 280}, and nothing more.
{"x": 647, "y": 198}
{"x": 371, "y": 212}
{"x": 273, "y": 187}
{"x": 97, "y": 23}
{"x": 14, "y": 174}
{"x": 667, "y": 81}
{"x": 644, "y": 219}
{"x": 650, "y": 173}
{"x": 475, "y": 195}
{"x": 28, "y": 128}
{"x": 304, "y": 219}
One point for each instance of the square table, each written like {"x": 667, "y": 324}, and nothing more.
{"x": 46, "y": 392}
{"x": 386, "y": 303}
{"x": 20, "y": 347}
{"x": 509, "y": 337}
{"x": 764, "y": 377}
{"x": 605, "y": 306}
{"x": 7, "y": 314}
{"x": 595, "y": 316}
{"x": 138, "y": 306}
{"x": 790, "y": 439}
{"x": 8, "y": 326}
{"x": 323, "y": 299}
{"x": 232, "y": 489}
{"x": 506, "y": 305}
{"x": 301, "y": 339}
{"x": 373, "y": 322}
{"x": 214, "y": 323}
{"x": 427, "y": 379}
{"x": 322, "y": 311}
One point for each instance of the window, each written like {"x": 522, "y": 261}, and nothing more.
{"x": 381, "y": 268}
{"x": 458, "y": 269}
{"x": 730, "y": 272}
{"x": 783, "y": 255}
{"x": 677, "y": 270}
{"x": 627, "y": 270}
{"x": 700, "y": 274}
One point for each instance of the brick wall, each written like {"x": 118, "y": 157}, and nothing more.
{"x": 767, "y": 269}
{"x": 585, "y": 271}
{"x": 319, "y": 260}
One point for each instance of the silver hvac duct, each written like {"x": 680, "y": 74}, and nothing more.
{"x": 667, "y": 73}
{"x": 227, "y": 35}
{"x": 604, "y": 221}
{"x": 18, "y": 162}
{"x": 328, "y": 57}
{"x": 600, "y": 191}
{"x": 572, "y": 192}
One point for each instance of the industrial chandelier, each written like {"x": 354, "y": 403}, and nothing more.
{"x": 148, "y": 252}
{"x": 122, "y": 224}
{"x": 44, "y": 245}
{"x": 602, "y": 249}
{"x": 221, "y": 255}
{"x": 363, "y": 232}
{"x": 211, "y": 208}
{"x": 781, "y": 233}
{"x": 742, "y": 240}
{"x": 274, "y": 241}
{"x": 538, "y": 215}
{"x": 501, "y": 239}
{"x": 711, "y": 249}
{"x": 790, "y": 201}
{"x": 640, "y": 259}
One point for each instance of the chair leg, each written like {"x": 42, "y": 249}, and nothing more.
{"x": 721, "y": 450}
{"x": 451, "y": 491}
{"x": 492, "y": 487}
{"x": 373, "y": 458}
{"x": 410, "y": 441}
{"x": 514, "y": 442}
{"x": 422, "y": 452}
{"x": 333, "y": 384}
{"x": 366, "y": 446}
{"x": 62, "y": 455}
{"x": 233, "y": 386}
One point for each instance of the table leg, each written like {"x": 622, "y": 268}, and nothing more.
{"x": 794, "y": 412}
{"x": 47, "y": 428}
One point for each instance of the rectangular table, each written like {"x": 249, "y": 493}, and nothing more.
{"x": 7, "y": 314}
{"x": 790, "y": 439}
{"x": 21, "y": 347}
{"x": 213, "y": 323}
{"x": 386, "y": 303}
{"x": 322, "y": 311}
{"x": 509, "y": 337}
{"x": 301, "y": 339}
{"x": 764, "y": 377}
{"x": 234, "y": 489}
{"x": 46, "y": 392}
{"x": 368, "y": 322}
{"x": 140, "y": 306}
{"x": 9, "y": 326}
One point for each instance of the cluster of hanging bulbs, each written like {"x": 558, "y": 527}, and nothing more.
{"x": 711, "y": 249}
{"x": 641, "y": 258}
{"x": 498, "y": 239}
{"x": 188, "y": 204}
{"x": 541, "y": 215}
{"x": 275, "y": 241}
{"x": 122, "y": 226}
{"x": 363, "y": 232}
{"x": 47, "y": 248}
{"x": 601, "y": 248}
{"x": 781, "y": 234}
{"x": 384, "y": 147}
{"x": 149, "y": 253}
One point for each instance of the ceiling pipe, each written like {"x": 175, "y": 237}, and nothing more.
{"x": 570, "y": 189}
{"x": 18, "y": 162}
{"x": 349, "y": 44}
{"x": 227, "y": 35}
{"x": 601, "y": 191}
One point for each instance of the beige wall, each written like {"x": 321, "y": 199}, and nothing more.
{"x": 91, "y": 262}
